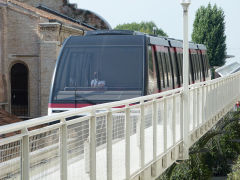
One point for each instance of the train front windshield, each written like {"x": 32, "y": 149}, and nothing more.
{"x": 98, "y": 74}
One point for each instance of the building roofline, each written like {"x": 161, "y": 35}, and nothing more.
{"x": 51, "y": 11}
{"x": 45, "y": 14}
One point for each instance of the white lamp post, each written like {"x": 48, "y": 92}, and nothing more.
{"x": 185, "y": 4}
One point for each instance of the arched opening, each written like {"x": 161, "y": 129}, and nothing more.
{"x": 19, "y": 90}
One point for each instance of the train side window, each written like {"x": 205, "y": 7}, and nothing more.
{"x": 169, "y": 70}
{"x": 175, "y": 69}
{"x": 199, "y": 67}
{"x": 152, "y": 79}
{"x": 180, "y": 60}
{"x": 165, "y": 70}
{"x": 192, "y": 69}
{"x": 204, "y": 66}
{"x": 161, "y": 71}
{"x": 196, "y": 65}
{"x": 207, "y": 65}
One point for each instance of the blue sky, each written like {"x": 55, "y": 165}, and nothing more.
{"x": 167, "y": 14}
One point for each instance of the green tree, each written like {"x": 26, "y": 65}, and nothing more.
{"x": 211, "y": 155}
{"x": 145, "y": 27}
{"x": 209, "y": 29}
{"x": 235, "y": 174}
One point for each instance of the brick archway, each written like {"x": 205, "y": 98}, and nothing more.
{"x": 19, "y": 89}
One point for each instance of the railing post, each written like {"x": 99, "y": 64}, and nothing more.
{"x": 174, "y": 120}
{"x": 142, "y": 144}
{"x": 218, "y": 95}
{"x": 154, "y": 121}
{"x": 63, "y": 150}
{"x": 165, "y": 125}
{"x": 186, "y": 138}
{"x": 213, "y": 100}
{"x": 210, "y": 110}
{"x": 109, "y": 144}
{"x": 198, "y": 107}
{"x": 25, "y": 155}
{"x": 127, "y": 143}
{"x": 92, "y": 134}
{"x": 181, "y": 116}
{"x": 154, "y": 124}
{"x": 194, "y": 108}
{"x": 206, "y": 104}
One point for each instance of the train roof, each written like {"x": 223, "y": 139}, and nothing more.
{"x": 152, "y": 39}
{"x": 193, "y": 45}
{"x": 175, "y": 43}
{"x": 91, "y": 40}
{"x": 159, "y": 41}
{"x": 202, "y": 47}
{"x": 110, "y": 37}
{"x": 113, "y": 32}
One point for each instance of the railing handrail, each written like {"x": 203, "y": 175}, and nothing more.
{"x": 47, "y": 119}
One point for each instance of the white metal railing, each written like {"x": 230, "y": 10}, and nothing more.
{"x": 119, "y": 140}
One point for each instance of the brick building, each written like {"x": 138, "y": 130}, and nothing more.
{"x": 30, "y": 40}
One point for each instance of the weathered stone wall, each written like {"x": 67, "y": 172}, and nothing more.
{"x": 23, "y": 47}
{"x": 1, "y": 39}
{"x": 4, "y": 99}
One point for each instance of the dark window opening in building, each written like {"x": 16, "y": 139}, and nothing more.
{"x": 19, "y": 90}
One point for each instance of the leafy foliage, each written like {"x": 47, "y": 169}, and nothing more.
{"x": 193, "y": 168}
{"x": 235, "y": 174}
{"x": 145, "y": 27}
{"x": 209, "y": 29}
{"x": 212, "y": 154}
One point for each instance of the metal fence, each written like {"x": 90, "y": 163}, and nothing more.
{"x": 141, "y": 137}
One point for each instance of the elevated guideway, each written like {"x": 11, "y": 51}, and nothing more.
{"x": 131, "y": 139}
